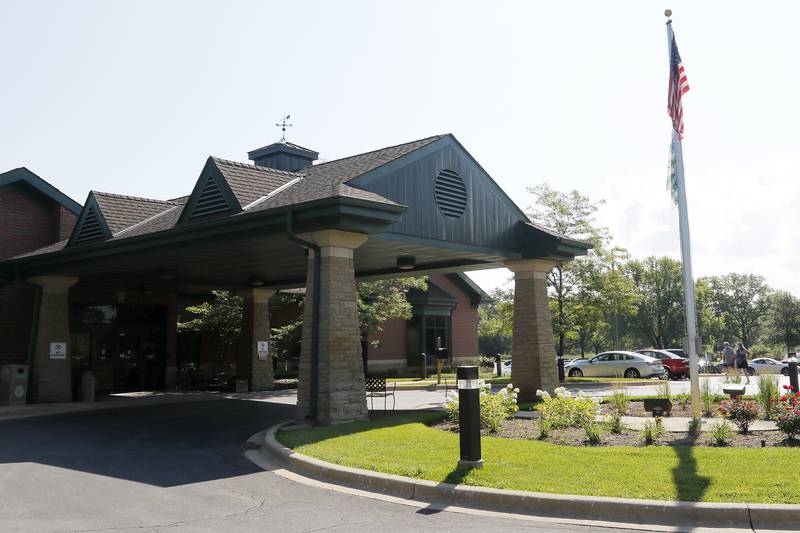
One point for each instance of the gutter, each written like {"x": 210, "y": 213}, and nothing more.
{"x": 312, "y": 406}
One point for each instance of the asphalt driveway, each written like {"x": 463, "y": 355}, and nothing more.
{"x": 179, "y": 466}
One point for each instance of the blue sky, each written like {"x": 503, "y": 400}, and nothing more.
{"x": 131, "y": 97}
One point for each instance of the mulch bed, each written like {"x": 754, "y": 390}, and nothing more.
{"x": 528, "y": 430}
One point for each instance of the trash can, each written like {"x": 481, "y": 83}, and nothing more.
{"x": 88, "y": 385}
{"x": 13, "y": 384}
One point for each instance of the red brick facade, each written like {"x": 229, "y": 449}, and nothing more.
{"x": 392, "y": 349}
{"x": 28, "y": 220}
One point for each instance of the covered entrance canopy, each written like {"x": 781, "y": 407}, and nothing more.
{"x": 412, "y": 209}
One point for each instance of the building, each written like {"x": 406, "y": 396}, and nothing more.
{"x": 420, "y": 208}
{"x": 33, "y": 214}
{"x": 445, "y": 316}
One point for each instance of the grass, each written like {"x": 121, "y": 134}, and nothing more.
{"x": 405, "y": 445}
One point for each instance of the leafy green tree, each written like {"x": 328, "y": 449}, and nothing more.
{"x": 658, "y": 285}
{"x": 570, "y": 214}
{"x": 219, "y": 319}
{"x": 382, "y": 300}
{"x": 783, "y": 319}
{"x": 495, "y": 320}
{"x": 743, "y": 299}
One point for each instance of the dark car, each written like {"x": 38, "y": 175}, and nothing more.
{"x": 675, "y": 367}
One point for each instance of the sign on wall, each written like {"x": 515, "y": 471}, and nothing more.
{"x": 263, "y": 350}
{"x": 58, "y": 350}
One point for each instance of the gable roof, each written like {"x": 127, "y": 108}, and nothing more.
{"x": 23, "y": 175}
{"x": 470, "y": 288}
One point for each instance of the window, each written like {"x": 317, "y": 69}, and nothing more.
{"x": 437, "y": 333}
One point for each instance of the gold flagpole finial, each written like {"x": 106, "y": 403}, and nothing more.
{"x": 668, "y": 13}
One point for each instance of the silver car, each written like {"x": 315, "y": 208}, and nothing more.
{"x": 616, "y": 364}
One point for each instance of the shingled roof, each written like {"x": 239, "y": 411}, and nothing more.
{"x": 256, "y": 188}
{"x": 123, "y": 212}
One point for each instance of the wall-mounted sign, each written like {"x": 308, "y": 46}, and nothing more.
{"x": 263, "y": 350}
{"x": 58, "y": 350}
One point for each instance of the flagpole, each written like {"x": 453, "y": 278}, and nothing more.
{"x": 686, "y": 257}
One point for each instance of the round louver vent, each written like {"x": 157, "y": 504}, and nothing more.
{"x": 451, "y": 194}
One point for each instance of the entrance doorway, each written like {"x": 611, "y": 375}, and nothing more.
{"x": 124, "y": 345}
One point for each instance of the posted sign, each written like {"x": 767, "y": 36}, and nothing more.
{"x": 58, "y": 350}
{"x": 263, "y": 350}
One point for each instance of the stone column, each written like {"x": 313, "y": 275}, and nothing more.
{"x": 340, "y": 371}
{"x": 255, "y": 329}
{"x": 533, "y": 349}
{"x": 51, "y": 374}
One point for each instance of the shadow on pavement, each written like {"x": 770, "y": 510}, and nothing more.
{"x": 164, "y": 444}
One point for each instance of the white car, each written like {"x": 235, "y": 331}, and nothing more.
{"x": 505, "y": 368}
{"x": 615, "y": 364}
{"x": 767, "y": 365}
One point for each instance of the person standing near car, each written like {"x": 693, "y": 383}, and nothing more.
{"x": 742, "y": 354}
{"x": 728, "y": 356}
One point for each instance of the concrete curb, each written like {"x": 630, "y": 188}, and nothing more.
{"x": 677, "y": 515}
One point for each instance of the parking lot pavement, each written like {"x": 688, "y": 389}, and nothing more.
{"x": 179, "y": 466}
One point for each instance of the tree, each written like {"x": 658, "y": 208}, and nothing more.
{"x": 382, "y": 300}
{"x": 570, "y": 214}
{"x": 783, "y": 319}
{"x": 495, "y": 323}
{"x": 219, "y": 319}
{"x": 743, "y": 300}
{"x": 658, "y": 285}
{"x": 711, "y": 324}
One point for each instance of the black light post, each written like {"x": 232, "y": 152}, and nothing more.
{"x": 498, "y": 365}
{"x": 793, "y": 381}
{"x": 424, "y": 365}
{"x": 561, "y": 375}
{"x": 469, "y": 417}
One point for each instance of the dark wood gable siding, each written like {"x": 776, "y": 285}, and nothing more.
{"x": 490, "y": 218}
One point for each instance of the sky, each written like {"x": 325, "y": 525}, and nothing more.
{"x": 132, "y": 97}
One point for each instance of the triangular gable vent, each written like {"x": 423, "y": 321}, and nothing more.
{"x": 212, "y": 196}
{"x": 91, "y": 225}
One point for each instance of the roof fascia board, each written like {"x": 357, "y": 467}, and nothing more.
{"x": 473, "y": 290}
{"x": 24, "y": 175}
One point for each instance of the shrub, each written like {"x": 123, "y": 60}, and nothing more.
{"x": 741, "y": 412}
{"x": 566, "y": 410}
{"x": 694, "y": 426}
{"x": 494, "y": 407}
{"x": 652, "y": 431}
{"x": 615, "y": 423}
{"x": 683, "y": 399}
{"x": 721, "y": 432}
{"x": 788, "y": 413}
{"x": 708, "y": 398}
{"x": 487, "y": 361}
{"x": 768, "y": 394}
{"x": 544, "y": 428}
{"x": 592, "y": 432}
{"x": 620, "y": 399}
{"x": 663, "y": 390}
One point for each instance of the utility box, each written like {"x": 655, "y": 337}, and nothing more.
{"x": 13, "y": 384}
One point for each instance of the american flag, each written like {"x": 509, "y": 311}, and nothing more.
{"x": 678, "y": 86}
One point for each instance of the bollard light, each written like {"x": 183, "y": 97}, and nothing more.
{"x": 498, "y": 365}
{"x": 469, "y": 417}
{"x": 793, "y": 381}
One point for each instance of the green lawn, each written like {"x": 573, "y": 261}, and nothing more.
{"x": 405, "y": 445}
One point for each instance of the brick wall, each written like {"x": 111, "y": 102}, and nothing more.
{"x": 464, "y": 328}
{"x": 28, "y": 220}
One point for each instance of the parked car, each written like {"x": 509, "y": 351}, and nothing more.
{"x": 505, "y": 368}
{"x": 768, "y": 365}
{"x": 615, "y": 364}
{"x": 675, "y": 367}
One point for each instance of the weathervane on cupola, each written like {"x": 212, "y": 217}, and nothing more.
{"x": 283, "y": 125}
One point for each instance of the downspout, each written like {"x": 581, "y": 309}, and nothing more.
{"x": 37, "y": 303}
{"x": 312, "y": 407}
